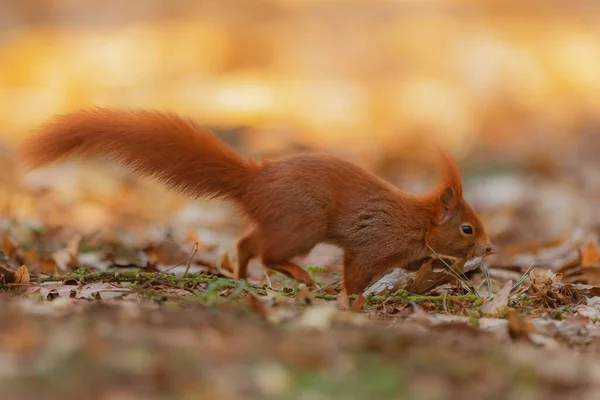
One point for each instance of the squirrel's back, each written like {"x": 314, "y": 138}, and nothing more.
{"x": 190, "y": 159}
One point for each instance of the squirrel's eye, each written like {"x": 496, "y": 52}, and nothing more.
{"x": 467, "y": 229}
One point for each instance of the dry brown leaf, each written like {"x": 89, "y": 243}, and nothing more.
{"x": 67, "y": 258}
{"x": 30, "y": 257}
{"x": 426, "y": 279}
{"x": 258, "y": 306}
{"x": 534, "y": 247}
{"x": 22, "y": 275}
{"x": 99, "y": 291}
{"x": 555, "y": 258}
{"x": 518, "y": 327}
{"x": 590, "y": 275}
{"x": 590, "y": 255}
{"x": 9, "y": 246}
{"x": 577, "y": 325}
{"x": 547, "y": 289}
{"x": 500, "y": 300}
{"x": 587, "y": 269}
{"x": 168, "y": 252}
{"x": 49, "y": 266}
{"x": 420, "y": 316}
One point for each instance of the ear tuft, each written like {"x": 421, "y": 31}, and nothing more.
{"x": 450, "y": 174}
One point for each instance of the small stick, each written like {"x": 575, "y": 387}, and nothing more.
{"x": 189, "y": 261}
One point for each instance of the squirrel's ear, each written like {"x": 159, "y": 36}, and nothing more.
{"x": 451, "y": 186}
{"x": 447, "y": 202}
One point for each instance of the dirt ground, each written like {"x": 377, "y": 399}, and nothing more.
{"x": 112, "y": 289}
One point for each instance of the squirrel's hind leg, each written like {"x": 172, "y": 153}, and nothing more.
{"x": 359, "y": 271}
{"x": 277, "y": 255}
{"x": 247, "y": 249}
{"x": 293, "y": 271}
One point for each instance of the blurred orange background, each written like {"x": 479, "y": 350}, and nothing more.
{"x": 370, "y": 78}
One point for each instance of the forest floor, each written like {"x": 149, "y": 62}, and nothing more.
{"x": 102, "y": 300}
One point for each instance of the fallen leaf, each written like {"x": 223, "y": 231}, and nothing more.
{"x": 9, "y": 246}
{"x": 100, "y": 291}
{"x": 420, "y": 316}
{"x": 67, "y": 258}
{"x": 258, "y": 306}
{"x": 543, "y": 341}
{"x": 576, "y": 325}
{"x": 560, "y": 256}
{"x": 590, "y": 255}
{"x": 389, "y": 283}
{"x": 49, "y": 266}
{"x": 21, "y": 278}
{"x": 318, "y": 317}
{"x": 22, "y": 275}
{"x": 590, "y": 275}
{"x": 497, "y": 326}
{"x": 546, "y": 327}
{"x": 499, "y": 300}
{"x": 518, "y": 327}
{"x": 426, "y": 279}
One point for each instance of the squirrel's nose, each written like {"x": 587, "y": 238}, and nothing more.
{"x": 488, "y": 249}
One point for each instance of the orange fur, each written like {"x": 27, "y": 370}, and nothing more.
{"x": 173, "y": 150}
{"x": 294, "y": 202}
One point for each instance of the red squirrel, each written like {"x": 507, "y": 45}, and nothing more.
{"x": 293, "y": 203}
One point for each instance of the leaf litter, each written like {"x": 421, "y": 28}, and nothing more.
{"x": 156, "y": 302}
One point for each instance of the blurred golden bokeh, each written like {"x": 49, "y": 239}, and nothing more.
{"x": 371, "y": 77}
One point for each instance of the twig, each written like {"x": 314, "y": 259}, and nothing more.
{"x": 192, "y": 254}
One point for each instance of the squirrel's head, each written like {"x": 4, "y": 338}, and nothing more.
{"x": 455, "y": 229}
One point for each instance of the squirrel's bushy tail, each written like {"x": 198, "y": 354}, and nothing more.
{"x": 175, "y": 151}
